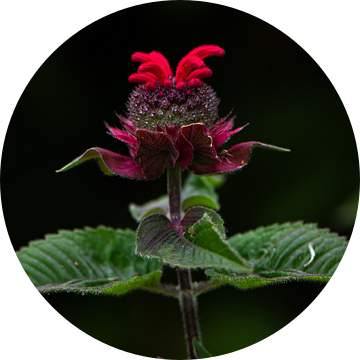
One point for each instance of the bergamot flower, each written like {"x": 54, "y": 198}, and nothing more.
{"x": 173, "y": 120}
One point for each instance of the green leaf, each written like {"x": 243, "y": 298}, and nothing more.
{"x": 281, "y": 253}
{"x": 215, "y": 180}
{"x": 197, "y": 191}
{"x": 98, "y": 261}
{"x": 200, "y": 351}
{"x": 157, "y": 206}
{"x": 198, "y": 241}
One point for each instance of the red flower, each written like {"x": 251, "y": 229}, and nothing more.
{"x": 173, "y": 120}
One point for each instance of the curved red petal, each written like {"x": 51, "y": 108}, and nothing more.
{"x": 163, "y": 61}
{"x": 187, "y": 64}
{"x": 141, "y": 57}
{"x": 194, "y": 60}
{"x": 205, "y": 51}
{"x": 199, "y": 73}
{"x": 155, "y": 64}
{"x": 143, "y": 78}
{"x": 154, "y": 68}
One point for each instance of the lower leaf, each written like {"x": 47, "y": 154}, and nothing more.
{"x": 97, "y": 261}
{"x": 281, "y": 253}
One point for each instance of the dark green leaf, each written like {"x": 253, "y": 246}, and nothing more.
{"x": 99, "y": 261}
{"x": 197, "y": 242}
{"x": 288, "y": 246}
{"x": 280, "y": 253}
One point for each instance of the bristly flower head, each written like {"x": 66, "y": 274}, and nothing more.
{"x": 173, "y": 120}
{"x": 179, "y": 100}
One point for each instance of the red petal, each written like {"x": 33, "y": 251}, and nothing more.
{"x": 141, "y": 57}
{"x": 194, "y": 60}
{"x": 187, "y": 64}
{"x": 156, "y": 68}
{"x": 111, "y": 163}
{"x": 205, "y": 51}
{"x": 165, "y": 64}
{"x": 199, "y": 73}
{"x": 143, "y": 78}
{"x": 155, "y": 150}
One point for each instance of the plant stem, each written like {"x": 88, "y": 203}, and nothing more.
{"x": 186, "y": 295}
{"x": 189, "y": 310}
{"x": 174, "y": 192}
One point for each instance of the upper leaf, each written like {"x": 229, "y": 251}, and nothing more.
{"x": 199, "y": 191}
{"x": 96, "y": 261}
{"x": 198, "y": 241}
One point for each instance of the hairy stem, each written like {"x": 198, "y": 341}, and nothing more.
{"x": 189, "y": 310}
{"x": 186, "y": 295}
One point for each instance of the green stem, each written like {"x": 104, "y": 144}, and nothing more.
{"x": 187, "y": 298}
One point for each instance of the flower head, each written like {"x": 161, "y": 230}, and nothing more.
{"x": 178, "y": 100}
{"x": 173, "y": 120}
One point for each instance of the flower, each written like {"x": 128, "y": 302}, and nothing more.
{"x": 173, "y": 120}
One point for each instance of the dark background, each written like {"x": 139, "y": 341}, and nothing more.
{"x": 269, "y": 81}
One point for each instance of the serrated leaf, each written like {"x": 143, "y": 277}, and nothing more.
{"x": 281, "y": 253}
{"x": 287, "y": 246}
{"x": 264, "y": 278}
{"x": 198, "y": 241}
{"x": 98, "y": 261}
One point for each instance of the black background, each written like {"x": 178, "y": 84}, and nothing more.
{"x": 269, "y": 81}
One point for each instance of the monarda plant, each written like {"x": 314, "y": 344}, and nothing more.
{"x": 172, "y": 124}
